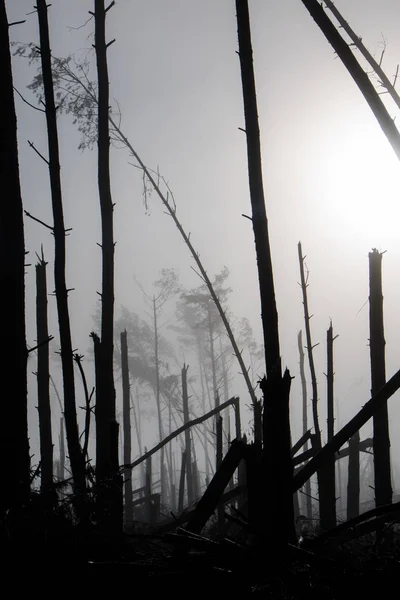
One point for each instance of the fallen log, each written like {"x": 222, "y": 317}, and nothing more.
{"x": 212, "y": 496}
{"x": 174, "y": 434}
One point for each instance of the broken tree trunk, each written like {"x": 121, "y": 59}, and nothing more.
{"x": 181, "y": 493}
{"x": 353, "y": 480}
{"x": 76, "y": 457}
{"x": 43, "y": 379}
{"x": 328, "y": 501}
{"x": 185, "y": 401}
{"x": 221, "y": 508}
{"x": 382, "y": 470}
{"x": 128, "y": 512}
{"x": 307, "y": 490}
{"x": 213, "y": 494}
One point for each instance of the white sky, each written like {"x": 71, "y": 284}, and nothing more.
{"x": 331, "y": 178}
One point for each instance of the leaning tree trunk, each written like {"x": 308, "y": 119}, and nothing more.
{"x": 14, "y": 444}
{"x": 359, "y": 76}
{"x": 43, "y": 379}
{"x": 381, "y": 439}
{"x": 278, "y": 467}
{"x": 108, "y": 479}
{"x": 76, "y": 457}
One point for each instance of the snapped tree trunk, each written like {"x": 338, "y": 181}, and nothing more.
{"x": 14, "y": 444}
{"x": 43, "y": 379}
{"x": 381, "y": 443}
{"x": 307, "y": 488}
{"x": 276, "y": 385}
{"x": 108, "y": 479}
{"x": 328, "y": 498}
{"x": 128, "y": 512}
{"x": 185, "y": 401}
{"x": 76, "y": 457}
{"x": 353, "y": 480}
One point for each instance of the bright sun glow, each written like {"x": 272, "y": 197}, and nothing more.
{"x": 361, "y": 182}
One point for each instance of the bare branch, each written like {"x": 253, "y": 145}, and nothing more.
{"x": 38, "y": 220}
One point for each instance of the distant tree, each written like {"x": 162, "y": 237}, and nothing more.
{"x": 14, "y": 444}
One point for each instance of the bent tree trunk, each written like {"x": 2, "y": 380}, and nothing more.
{"x": 76, "y": 457}
{"x": 14, "y": 444}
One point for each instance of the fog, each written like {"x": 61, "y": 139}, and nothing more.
{"x": 331, "y": 178}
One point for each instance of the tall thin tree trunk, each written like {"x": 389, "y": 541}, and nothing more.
{"x": 219, "y": 456}
{"x": 185, "y": 401}
{"x": 328, "y": 507}
{"x": 158, "y": 398}
{"x": 381, "y": 439}
{"x": 307, "y": 490}
{"x": 62, "y": 449}
{"x": 181, "y": 493}
{"x": 353, "y": 481}
{"x": 14, "y": 443}
{"x": 128, "y": 513}
{"x": 43, "y": 378}
{"x": 317, "y": 443}
{"x": 106, "y": 432}
{"x": 278, "y": 470}
{"x": 76, "y": 457}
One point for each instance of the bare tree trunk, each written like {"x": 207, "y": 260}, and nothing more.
{"x": 128, "y": 513}
{"x": 353, "y": 482}
{"x": 76, "y": 457}
{"x": 185, "y": 401}
{"x": 181, "y": 496}
{"x": 158, "y": 403}
{"x": 148, "y": 492}
{"x": 307, "y": 490}
{"x": 62, "y": 450}
{"x": 43, "y": 378}
{"x": 321, "y": 474}
{"x": 275, "y": 389}
{"x": 328, "y": 503}
{"x": 381, "y": 444}
{"x": 108, "y": 478}
{"x": 14, "y": 443}
{"x": 221, "y": 508}
{"x": 356, "y": 71}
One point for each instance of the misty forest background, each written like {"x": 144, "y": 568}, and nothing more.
{"x": 331, "y": 181}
